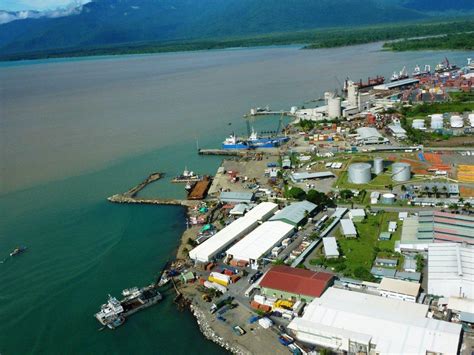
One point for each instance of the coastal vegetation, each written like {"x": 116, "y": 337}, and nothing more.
{"x": 309, "y": 39}
{"x": 459, "y": 41}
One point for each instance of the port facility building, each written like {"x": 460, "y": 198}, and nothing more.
{"x": 219, "y": 242}
{"x": 397, "y": 84}
{"x": 260, "y": 242}
{"x": 369, "y": 135}
{"x": 304, "y": 175}
{"x": 356, "y": 322}
{"x": 295, "y": 214}
{"x": 236, "y": 197}
{"x": 286, "y": 282}
{"x": 418, "y": 232}
{"x": 451, "y": 270}
{"x": 399, "y": 289}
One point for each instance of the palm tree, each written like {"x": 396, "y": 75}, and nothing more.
{"x": 435, "y": 191}
{"x": 426, "y": 190}
{"x": 445, "y": 190}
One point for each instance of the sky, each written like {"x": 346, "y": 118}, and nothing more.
{"x": 16, "y": 5}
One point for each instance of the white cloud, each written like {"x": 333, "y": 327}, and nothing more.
{"x": 40, "y": 5}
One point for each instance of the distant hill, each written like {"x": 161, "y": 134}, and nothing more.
{"x": 118, "y": 22}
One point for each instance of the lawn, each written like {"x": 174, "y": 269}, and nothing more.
{"x": 361, "y": 252}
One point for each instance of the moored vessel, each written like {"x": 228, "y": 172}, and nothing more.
{"x": 114, "y": 313}
{"x": 17, "y": 251}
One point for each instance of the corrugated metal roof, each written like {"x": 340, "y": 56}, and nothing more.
{"x": 395, "y": 326}
{"x": 297, "y": 281}
{"x": 295, "y": 212}
{"x": 330, "y": 246}
{"x": 260, "y": 241}
{"x": 399, "y": 286}
{"x": 306, "y": 175}
{"x": 348, "y": 227}
{"x": 236, "y": 196}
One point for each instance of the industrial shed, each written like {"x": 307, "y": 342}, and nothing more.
{"x": 355, "y": 322}
{"x": 399, "y": 289}
{"x": 450, "y": 270}
{"x": 236, "y": 197}
{"x": 302, "y": 176}
{"x": 206, "y": 251}
{"x": 357, "y": 215}
{"x": 330, "y": 247}
{"x": 285, "y": 282}
{"x": 295, "y": 213}
{"x": 348, "y": 229}
{"x": 260, "y": 242}
{"x": 369, "y": 135}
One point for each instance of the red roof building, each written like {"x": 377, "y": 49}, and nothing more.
{"x": 289, "y": 283}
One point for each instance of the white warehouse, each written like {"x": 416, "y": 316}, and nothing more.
{"x": 260, "y": 242}
{"x": 451, "y": 270}
{"x": 237, "y": 229}
{"x": 356, "y": 322}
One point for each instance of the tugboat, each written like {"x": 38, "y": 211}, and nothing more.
{"x": 400, "y": 75}
{"x": 187, "y": 176}
{"x": 18, "y": 251}
{"x": 114, "y": 313}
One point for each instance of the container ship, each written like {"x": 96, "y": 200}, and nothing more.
{"x": 113, "y": 313}
{"x": 253, "y": 142}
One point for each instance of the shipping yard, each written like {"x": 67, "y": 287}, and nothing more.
{"x": 336, "y": 219}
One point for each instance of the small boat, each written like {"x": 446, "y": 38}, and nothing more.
{"x": 115, "y": 322}
{"x": 188, "y": 186}
{"x": 17, "y": 251}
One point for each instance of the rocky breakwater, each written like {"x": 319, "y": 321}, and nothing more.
{"x": 210, "y": 334}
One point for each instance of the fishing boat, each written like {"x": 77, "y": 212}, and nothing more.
{"x": 18, "y": 251}
{"x": 188, "y": 186}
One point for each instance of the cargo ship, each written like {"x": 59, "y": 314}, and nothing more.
{"x": 401, "y": 75}
{"x": 114, "y": 313}
{"x": 418, "y": 72}
{"x": 253, "y": 141}
{"x": 378, "y": 80}
{"x": 18, "y": 251}
{"x": 445, "y": 66}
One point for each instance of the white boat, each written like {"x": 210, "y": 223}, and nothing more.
{"x": 109, "y": 311}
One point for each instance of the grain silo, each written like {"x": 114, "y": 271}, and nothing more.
{"x": 359, "y": 173}
{"x": 401, "y": 172}
{"x": 334, "y": 107}
{"x": 387, "y": 199}
{"x": 378, "y": 165}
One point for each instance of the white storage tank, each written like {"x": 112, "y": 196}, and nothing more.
{"x": 437, "y": 121}
{"x": 387, "y": 199}
{"x": 418, "y": 123}
{"x": 293, "y": 110}
{"x": 334, "y": 107}
{"x": 401, "y": 171}
{"x": 456, "y": 121}
{"x": 378, "y": 165}
{"x": 360, "y": 173}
